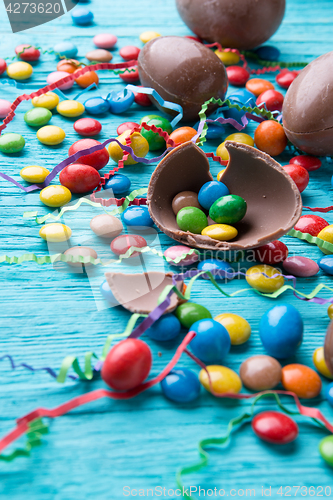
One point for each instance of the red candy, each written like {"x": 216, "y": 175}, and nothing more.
{"x": 299, "y": 175}
{"x": 28, "y": 54}
{"x": 311, "y": 224}
{"x": 122, "y": 243}
{"x": 142, "y": 99}
{"x": 310, "y": 163}
{"x": 272, "y": 98}
{"x": 285, "y": 78}
{"x": 126, "y": 126}
{"x": 275, "y": 427}
{"x": 237, "y": 75}
{"x": 79, "y": 178}
{"x": 129, "y": 53}
{"x": 130, "y": 76}
{"x": 127, "y": 365}
{"x": 87, "y": 126}
{"x": 97, "y": 160}
{"x": 3, "y": 66}
{"x": 272, "y": 253}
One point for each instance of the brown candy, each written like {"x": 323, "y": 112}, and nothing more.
{"x": 106, "y": 226}
{"x": 260, "y": 373}
{"x": 185, "y": 199}
{"x": 328, "y": 347}
{"x": 182, "y": 71}
{"x": 242, "y": 24}
{"x": 99, "y": 55}
{"x": 84, "y": 251}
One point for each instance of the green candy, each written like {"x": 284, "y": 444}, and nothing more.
{"x": 192, "y": 219}
{"x": 326, "y": 449}
{"x": 37, "y": 117}
{"x": 11, "y": 143}
{"x": 228, "y": 209}
{"x": 190, "y": 312}
{"x": 154, "y": 140}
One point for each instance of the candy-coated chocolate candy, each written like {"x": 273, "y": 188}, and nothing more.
{"x": 99, "y": 55}
{"x": 138, "y": 143}
{"x": 124, "y": 242}
{"x": 238, "y": 137}
{"x": 66, "y": 49}
{"x": 155, "y": 141}
{"x": 79, "y": 178}
{"x": 260, "y": 373}
{"x": 270, "y": 138}
{"x": 55, "y": 196}
{"x": 177, "y": 251}
{"x": 272, "y": 253}
{"x": 299, "y": 175}
{"x": 142, "y": 99}
{"x": 310, "y": 163}
{"x": 311, "y": 224}
{"x": 326, "y": 449}
{"x": 191, "y": 219}
{"x": 228, "y": 57}
{"x": 82, "y": 16}
{"x": 55, "y": 76}
{"x": 19, "y": 70}
{"x": 191, "y": 312}
{"x": 185, "y": 199}
{"x": 271, "y": 100}
{"x": 301, "y": 380}
{"x": 105, "y": 40}
{"x": 127, "y": 365}
{"x": 96, "y": 106}
{"x": 223, "y": 379}
{"x": 181, "y": 385}
{"x": 210, "y": 192}
{"x": 50, "y": 100}
{"x": 237, "y": 75}
{"x": 126, "y": 126}
{"x": 3, "y": 66}
{"x": 119, "y": 183}
{"x": 55, "y": 232}
{"x": 228, "y": 209}
{"x": 212, "y": 342}
{"x": 218, "y": 268}
{"x": 261, "y": 278}
{"x": 275, "y": 427}
{"x": 106, "y": 226}
{"x": 130, "y": 75}
{"x": 326, "y": 264}
{"x": 181, "y": 135}
{"x": 87, "y": 79}
{"x": 300, "y": 266}
{"x": 51, "y": 135}
{"x": 214, "y": 131}
{"x": 257, "y": 86}
{"x": 5, "y": 107}
{"x": 11, "y": 143}
{"x": 146, "y": 36}
{"x": 268, "y": 53}
{"x": 326, "y": 234}
{"x": 70, "y": 108}
{"x": 27, "y": 52}
{"x": 329, "y": 392}
{"x": 120, "y": 101}
{"x": 98, "y": 159}
{"x": 237, "y": 327}
{"x": 107, "y": 294}
{"x": 37, "y": 117}
{"x": 281, "y": 330}
{"x": 34, "y": 174}
{"x": 137, "y": 216}
{"x": 330, "y": 311}
{"x": 320, "y": 363}
{"x": 80, "y": 251}
{"x": 219, "y": 175}
{"x": 68, "y": 65}
{"x": 165, "y": 328}
{"x": 221, "y": 232}
{"x": 286, "y": 77}
{"x": 129, "y": 52}
{"x": 87, "y": 126}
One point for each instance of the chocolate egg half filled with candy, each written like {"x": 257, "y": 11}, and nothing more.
{"x": 183, "y": 71}
{"x": 241, "y": 24}
{"x": 307, "y": 108}
{"x": 274, "y": 203}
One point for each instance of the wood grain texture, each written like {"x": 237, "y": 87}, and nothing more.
{"x": 47, "y": 314}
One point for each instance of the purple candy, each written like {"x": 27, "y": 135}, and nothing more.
{"x": 300, "y": 266}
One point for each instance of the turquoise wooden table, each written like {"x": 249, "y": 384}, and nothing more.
{"x": 47, "y": 314}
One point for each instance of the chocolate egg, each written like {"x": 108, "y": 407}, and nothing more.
{"x": 242, "y": 24}
{"x": 328, "y": 347}
{"x": 183, "y": 71}
{"x": 307, "y": 108}
{"x": 273, "y": 201}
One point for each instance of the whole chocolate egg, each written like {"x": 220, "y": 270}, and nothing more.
{"x": 183, "y": 71}
{"x": 307, "y": 108}
{"x": 241, "y": 24}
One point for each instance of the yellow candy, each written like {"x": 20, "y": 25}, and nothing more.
{"x": 55, "y": 232}
{"x": 219, "y": 175}
{"x": 19, "y": 70}
{"x": 146, "y": 36}
{"x": 221, "y": 232}
{"x": 70, "y": 108}
{"x": 320, "y": 364}
{"x": 237, "y": 327}
{"x": 330, "y": 311}
{"x": 51, "y": 135}
{"x": 223, "y": 379}
{"x": 49, "y": 100}
{"x": 55, "y": 196}
{"x": 326, "y": 234}
{"x": 238, "y": 137}
{"x": 139, "y": 145}
{"x": 34, "y": 174}
{"x": 228, "y": 58}
{"x": 260, "y": 282}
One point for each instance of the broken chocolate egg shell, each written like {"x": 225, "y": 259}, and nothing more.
{"x": 274, "y": 203}
{"x": 328, "y": 347}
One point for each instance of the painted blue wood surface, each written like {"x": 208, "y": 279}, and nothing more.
{"x": 47, "y": 314}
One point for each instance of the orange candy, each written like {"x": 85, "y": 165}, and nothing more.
{"x": 301, "y": 380}
{"x": 68, "y": 65}
{"x": 182, "y": 134}
{"x": 270, "y": 137}
{"x": 87, "y": 79}
{"x": 257, "y": 86}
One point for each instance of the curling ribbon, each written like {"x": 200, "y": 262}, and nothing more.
{"x": 322, "y": 244}
{"x": 320, "y": 209}
{"x": 36, "y": 429}
{"x": 278, "y": 64}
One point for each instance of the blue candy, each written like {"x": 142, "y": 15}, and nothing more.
{"x": 212, "y": 342}
{"x": 82, "y": 16}
{"x": 119, "y": 184}
{"x": 214, "y": 131}
{"x": 210, "y": 192}
{"x": 107, "y": 294}
{"x": 218, "y": 268}
{"x": 119, "y": 102}
{"x": 329, "y": 393}
{"x": 165, "y": 328}
{"x": 281, "y": 330}
{"x": 242, "y": 97}
{"x": 268, "y": 53}
{"x": 67, "y": 49}
{"x": 181, "y": 385}
{"x": 96, "y": 106}
{"x": 326, "y": 264}
{"x": 137, "y": 216}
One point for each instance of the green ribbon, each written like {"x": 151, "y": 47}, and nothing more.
{"x": 36, "y": 430}
{"x": 322, "y": 244}
{"x": 252, "y": 55}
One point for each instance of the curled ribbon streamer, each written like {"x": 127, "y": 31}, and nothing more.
{"x": 320, "y": 209}
{"x": 278, "y": 64}
{"x": 311, "y": 239}
{"x": 34, "y": 435}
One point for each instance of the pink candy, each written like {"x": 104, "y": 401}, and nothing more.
{"x": 4, "y": 108}
{"x": 300, "y": 266}
{"x": 178, "y": 251}
{"x": 105, "y": 40}
{"x": 58, "y": 75}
